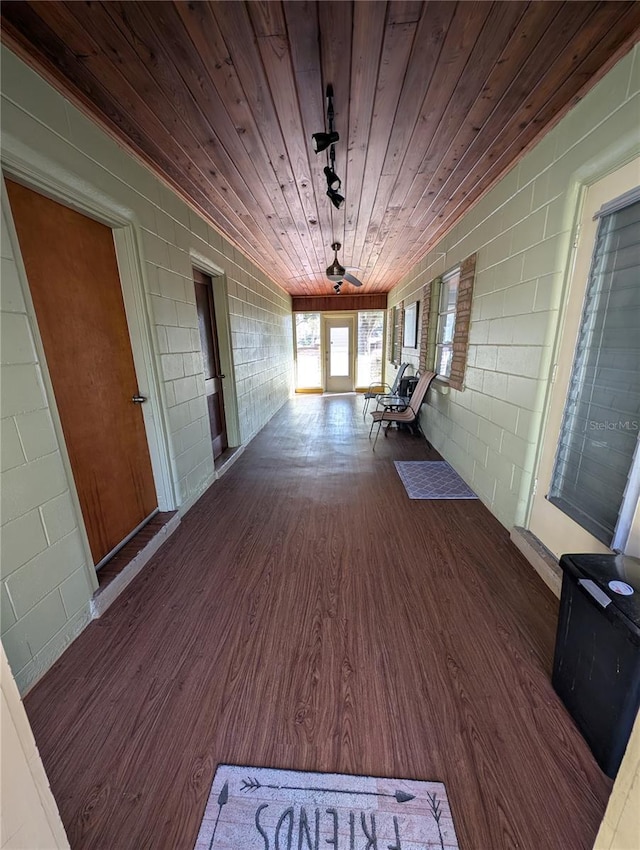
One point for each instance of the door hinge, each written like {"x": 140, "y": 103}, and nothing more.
{"x": 535, "y": 486}
{"x": 553, "y": 372}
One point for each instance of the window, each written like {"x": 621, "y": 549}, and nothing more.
{"x": 596, "y": 473}
{"x": 446, "y": 315}
{"x": 308, "y": 357}
{"x": 395, "y": 333}
{"x": 446, "y": 322}
{"x": 370, "y": 335}
{"x": 411, "y": 325}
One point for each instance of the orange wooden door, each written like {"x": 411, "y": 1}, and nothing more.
{"x": 73, "y": 277}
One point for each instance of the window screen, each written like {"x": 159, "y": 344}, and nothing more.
{"x": 308, "y": 358}
{"x": 602, "y": 414}
{"x": 370, "y": 334}
{"x": 395, "y": 330}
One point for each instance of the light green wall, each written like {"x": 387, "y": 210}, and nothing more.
{"x": 47, "y": 576}
{"x": 523, "y": 232}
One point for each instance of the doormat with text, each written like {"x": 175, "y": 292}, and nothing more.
{"x": 256, "y": 808}
{"x": 432, "y": 479}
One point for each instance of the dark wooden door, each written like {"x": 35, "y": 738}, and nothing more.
{"x": 75, "y": 285}
{"x": 211, "y": 361}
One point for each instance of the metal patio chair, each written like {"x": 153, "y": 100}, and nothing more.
{"x": 393, "y": 389}
{"x": 410, "y": 415}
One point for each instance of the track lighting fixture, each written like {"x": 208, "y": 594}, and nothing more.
{"x": 333, "y": 181}
{"x": 336, "y": 198}
{"x": 321, "y": 141}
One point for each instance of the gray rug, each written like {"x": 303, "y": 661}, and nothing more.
{"x": 432, "y": 479}
{"x": 254, "y": 808}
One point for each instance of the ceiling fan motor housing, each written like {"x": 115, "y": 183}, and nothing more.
{"x": 335, "y": 272}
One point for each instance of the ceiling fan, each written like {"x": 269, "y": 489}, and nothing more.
{"x": 338, "y": 274}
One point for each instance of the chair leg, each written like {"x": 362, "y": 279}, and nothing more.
{"x": 377, "y": 434}
{"x": 366, "y": 407}
{"x": 373, "y": 422}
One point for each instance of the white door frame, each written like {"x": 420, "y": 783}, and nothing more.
{"x": 339, "y": 319}
{"x": 43, "y": 176}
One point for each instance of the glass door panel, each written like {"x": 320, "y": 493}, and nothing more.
{"x": 339, "y": 352}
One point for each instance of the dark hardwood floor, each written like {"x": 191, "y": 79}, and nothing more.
{"x": 307, "y": 615}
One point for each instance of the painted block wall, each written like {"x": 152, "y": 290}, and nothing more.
{"x": 29, "y": 814}
{"x": 522, "y": 231}
{"x": 47, "y": 578}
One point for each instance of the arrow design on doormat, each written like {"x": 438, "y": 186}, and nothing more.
{"x": 254, "y": 784}
{"x": 434, "y": 805}
{"x": 223, "y": 798}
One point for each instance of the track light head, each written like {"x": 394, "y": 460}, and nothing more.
{"x": 336, "y": 198}
{"x": 333, "y": 181}
{"x": 321, "y": 141}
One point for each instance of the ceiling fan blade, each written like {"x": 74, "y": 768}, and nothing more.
{"x": 352, "y": 280}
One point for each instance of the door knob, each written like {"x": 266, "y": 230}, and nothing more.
{"x": 139, "y": 399}
{"x": 219, "y": 376}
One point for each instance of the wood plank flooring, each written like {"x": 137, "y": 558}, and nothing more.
{"x": 307, "y": 615}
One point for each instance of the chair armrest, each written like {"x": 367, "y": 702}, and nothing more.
{"x": 392, "y": 402}
{"x": 378, "y": 384}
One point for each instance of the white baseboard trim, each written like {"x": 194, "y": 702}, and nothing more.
{"x": 105, "y": 597}
{"x": 229, "y": 460}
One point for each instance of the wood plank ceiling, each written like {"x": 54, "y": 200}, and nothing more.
{"x": 434, "y": 101}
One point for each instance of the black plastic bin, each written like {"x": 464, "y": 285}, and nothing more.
{"x": 596, "y": 669}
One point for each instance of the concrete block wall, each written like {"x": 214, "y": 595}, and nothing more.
{"x": 523, "y": 232}
{"x": 47, "y": 576}
{"x": 262, "y": 341}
